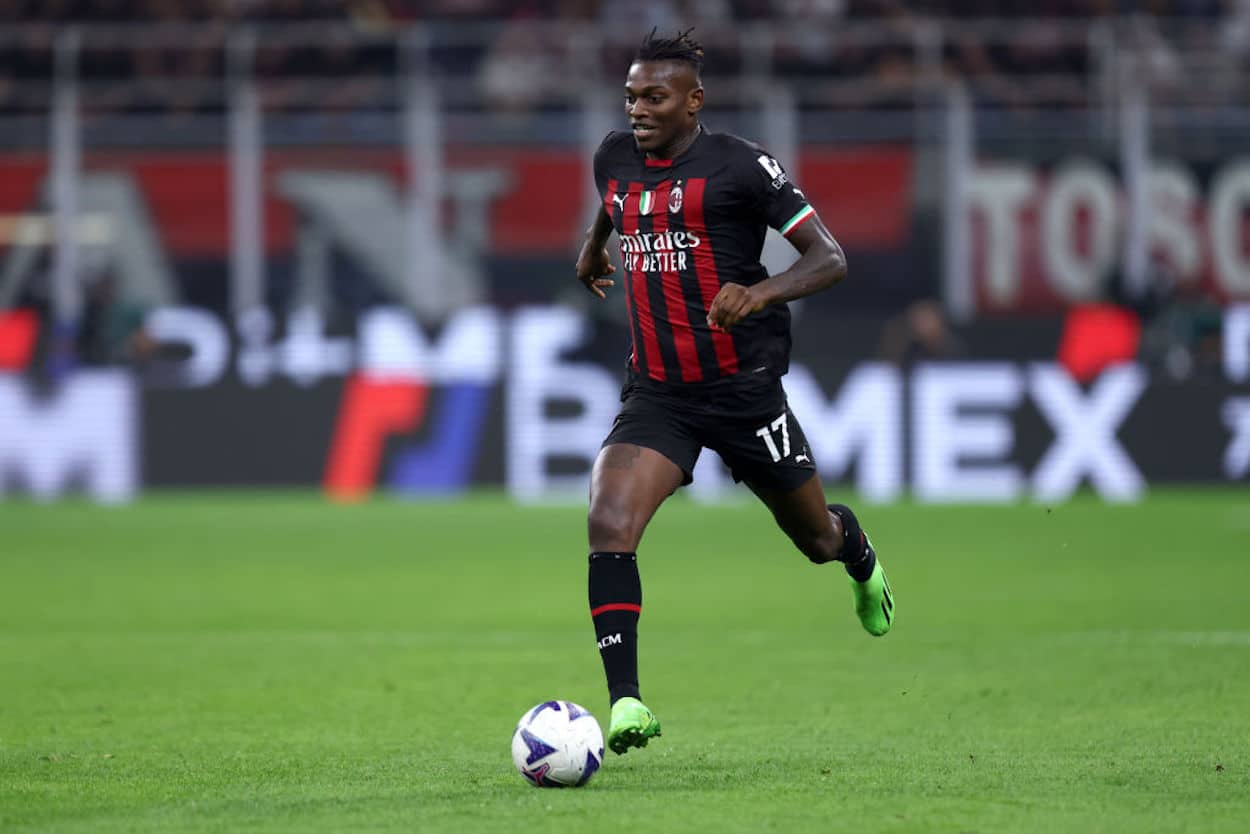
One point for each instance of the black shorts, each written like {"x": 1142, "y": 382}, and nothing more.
{"x": 748, "y": 424}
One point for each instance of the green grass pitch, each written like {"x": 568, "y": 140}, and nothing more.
{"x": 253, "y": 662}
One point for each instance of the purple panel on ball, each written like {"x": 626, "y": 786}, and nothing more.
{"x": 575, "y": 712}
{"x": 592, "y": 764}
{"x": 537, "y": 747}
{"x": 555, "y": 705}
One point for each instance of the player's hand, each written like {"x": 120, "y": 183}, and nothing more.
{"x": 731, "y": 305}
{"x": 592, "y": 266}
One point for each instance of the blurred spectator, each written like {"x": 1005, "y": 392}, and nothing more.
{"x": 1184, "y": 340}
{"x": 920, "y": 333}
{"x": 112, "y": 330}
{"x": 1181, "y": 325}
{"x": 109, "y": 329}
{"x": 523, "y": 74}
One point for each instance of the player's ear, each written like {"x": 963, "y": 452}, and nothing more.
{"x": 694, "y": 100}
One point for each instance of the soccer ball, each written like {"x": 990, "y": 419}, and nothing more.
{"x": 557, "y": 744}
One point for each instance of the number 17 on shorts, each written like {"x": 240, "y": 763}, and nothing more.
{"x": 776, "y": 430}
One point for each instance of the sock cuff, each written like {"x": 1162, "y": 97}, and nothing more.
{"x": 852, "y": 535}
{"x": 617, "y": 557}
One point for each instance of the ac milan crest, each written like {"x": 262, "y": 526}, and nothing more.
{"x": 674, "y": 199}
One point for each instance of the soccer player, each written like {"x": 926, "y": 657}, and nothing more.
{"x": 711, "y": 341}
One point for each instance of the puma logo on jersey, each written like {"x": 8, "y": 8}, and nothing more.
{"x": 619, "y": 199}
{"x": 802, "y": 459}
{"x": 610, "y": 640}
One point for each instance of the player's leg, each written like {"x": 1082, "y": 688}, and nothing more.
{"x": 772, "y": 456}
{"x": 802, "y": 514}
{"x": 829, "y": 532}
{"x": 627, "y": 486}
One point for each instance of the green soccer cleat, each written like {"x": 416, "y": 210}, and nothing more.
{"x": 874, "y": 601}
{"x": 632, "y": 725}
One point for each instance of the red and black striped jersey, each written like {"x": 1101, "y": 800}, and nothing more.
{"x": 686, "y": 226}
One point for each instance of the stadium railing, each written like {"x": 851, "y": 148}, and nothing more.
{"x": 956, "y": 92}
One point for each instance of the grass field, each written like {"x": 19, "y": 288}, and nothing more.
{"x": 248, "y": 662}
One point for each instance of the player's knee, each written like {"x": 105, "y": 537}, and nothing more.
{"x": 611, "y": 529}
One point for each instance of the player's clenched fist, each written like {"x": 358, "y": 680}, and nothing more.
{"x": 592, "y": 266}
{"x": 732, "y": 304}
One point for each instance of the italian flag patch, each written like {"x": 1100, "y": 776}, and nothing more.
{"x": 646, "y": 201}
{"x": 799, "y": 216}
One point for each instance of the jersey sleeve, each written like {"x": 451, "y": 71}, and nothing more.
{"x": 783, "y": 205}
{"x": 602, "y": 162}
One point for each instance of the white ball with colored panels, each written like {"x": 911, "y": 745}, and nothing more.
{"x": 557, "y": 744}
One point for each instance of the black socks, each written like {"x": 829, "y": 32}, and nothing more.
{"x": 856, "y": 555}
{"x": 615, "y": 603}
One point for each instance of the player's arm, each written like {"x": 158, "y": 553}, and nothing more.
{"x": 821, "y": 264}
{"x": 592, "y": 261}
{"x": 592, "y": 265}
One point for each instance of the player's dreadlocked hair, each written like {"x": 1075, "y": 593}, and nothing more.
{"x": 681, "y": 48}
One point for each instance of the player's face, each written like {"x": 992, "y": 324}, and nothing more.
{"x": 662, "y": 99}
